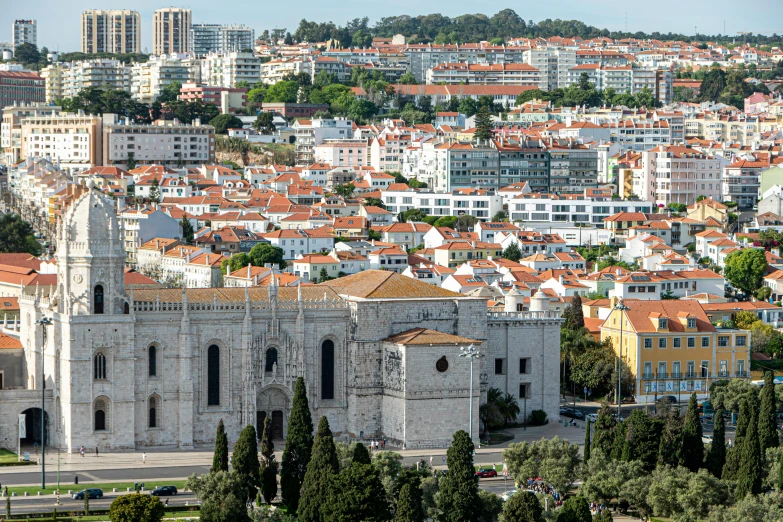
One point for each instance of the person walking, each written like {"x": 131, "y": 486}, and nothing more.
{"x": 81, "y": 450}
{"x": 96, "y": 452}
{"x": 143, "y": 457}
{"x": 167, "y": 503}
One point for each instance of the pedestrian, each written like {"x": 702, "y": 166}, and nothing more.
{"x": 96, "y": 452}
{"x": 430, "y": 460}
{"x": 143, "y": 457}
{"x": 81, "y": 450}
{"x": 167, "y": 502}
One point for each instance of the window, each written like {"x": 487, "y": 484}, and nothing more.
{"x": 691, "y": 322}
{"x": 500, "y": 366}
{"x": 271, "y": 360}
{"x": 524, "y": 367}
{"x": 662, "y": 369}
{"x": 648, "y": 343}
{"x": 691, "y": 369}
{"x": 662, "y": 342}
{"x": 740, "y": 368}
{"x": 663, "y": 324}
{"x": 676, "y": 369}
{"x": 741, "y": 340}
{"x": 691, "y": 342}
{"x": 724, "y": 368}
{"x": 98, "y": 300}
{"x": 676, "y": 342}
{"x": 153, "y": 361}
{"x": 213, "y": 376}
{"x": 153, "y": 412}
{"x": 705, "y": 342}
{"x": 522, "y": 390}
{"x": 648, "y": 370}
{"x": 327, "y": 370}
{"x": 99, "y": 366}
{"x": 99, "y": 415}
{"x": 705, "y": 368}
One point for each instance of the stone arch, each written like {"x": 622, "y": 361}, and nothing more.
{"x": 100, "y": 366}
{"x": 215, "y": 372}
{"x": 154, "y": 405}
{"x": 152, "y": 360}
{"x": 270, "y": 359}
{"x": 326, "y": 366}
{"x": 273, "y": 401}
{"x": 101, "y": 413}
{"x": 98, "y": 298}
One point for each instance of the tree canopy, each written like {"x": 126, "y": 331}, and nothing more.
{"x": 16, "y": 236}
{"x": 745, "y": 269}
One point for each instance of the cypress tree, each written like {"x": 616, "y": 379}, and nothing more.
{"x": 780, "y": 472}
{"x": 220, "y": 460}
{"x": 603, "y": 438}
{"x": 671, "y": 440}
{"x": 574, "y": 315}
{"x": 409, "y": 504}
{"x": 692, "y": 450}
{"x": 268, "y": 464}
{"x": 360, "y": 455}
{"x": 245, "y": 462}
{"x": 356, "y": 493}
{"x": 716, "y": 458}
{"x": 298, "y": 447}
{"x": 768, "y": 430}
{"x": 749, "y": 472}
{"x": 321, "y": 471}
{"x": 459, "y": 500}
{"x": 733, "y": 455}
{"x": 587, "y": 441}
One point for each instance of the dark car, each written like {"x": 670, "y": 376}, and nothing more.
{"x": 671, "y": 399}
{"x": 486, "y": 472}
{"x": 90, "y": 492}
{"x": 164, "y": 491}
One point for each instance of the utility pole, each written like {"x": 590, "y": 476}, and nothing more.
{"x": 621, "y": 308}
{"x": 471, "y": 353}
{"x": 44, "y": 322}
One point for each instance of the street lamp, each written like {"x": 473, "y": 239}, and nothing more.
{"x": 471, "y": 353}
{"x": 44, "y": 322}
{"x": 622, "y": 308}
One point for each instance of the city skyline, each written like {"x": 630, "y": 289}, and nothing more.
{"x": 59, "y": 28}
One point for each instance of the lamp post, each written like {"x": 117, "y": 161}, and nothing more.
{"x": 44, "y": 322}
{"x": 471, "y": 353}
{"x": 621, "y": 308}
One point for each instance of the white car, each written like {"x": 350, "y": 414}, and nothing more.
{"x": 592, "y": 417}
{"x": 508, "y": 494}
{"x": 707, "y": 439}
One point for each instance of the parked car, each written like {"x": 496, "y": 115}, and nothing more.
{"x": 90, "y": 492}
{"x": 706, "y": 439}
{"x": 570, "y": 412}
{"x": 671, "y": 399}
{"x": 164, "y": 491}
{"x": 564, "y": 411}
{"x": 508, "y": 494}
{"x": 578, "y": 414}
{"x": 486, "y": 473}
{"x": 592, "y": 417}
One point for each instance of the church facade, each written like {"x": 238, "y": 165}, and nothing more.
{"x": 379, "y": 353}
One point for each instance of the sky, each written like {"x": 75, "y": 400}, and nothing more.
{"x": 59, "y": 20}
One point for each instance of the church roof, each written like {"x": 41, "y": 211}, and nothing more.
{"x": 426, "y": 336}
{"x": 233, "y": 295}
{"x": 382, "y": 284}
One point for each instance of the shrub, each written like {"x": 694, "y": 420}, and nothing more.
{"x": 537, "y": 418}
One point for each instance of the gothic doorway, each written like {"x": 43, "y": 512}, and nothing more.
{"x": 273, "y": 402}
{"x": 277, "y": 425}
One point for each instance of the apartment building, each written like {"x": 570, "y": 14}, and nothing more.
{"x": 572, "y": 168}
{"x": 553, "y": 65}
{"x": 422, "y": 57}
{"x": 386, "y": 152}
{"x": 342, "y": 152}
{"x": 742, "y": 129}
{"x": 19, "y": 87}
{"x": 65, "y": 80}
{"x": 164, "y": 142}
{"x": 680, "y": 174}
{"x": 229, "y": 68}
{"x": 72, "y": 140}
{"x": 672, "y": 348}
{"x": 149, "y": 78}
{"x": 537, "y": 209}
{"x": 171, "y": 31}
{"x": 742, "y": 182}
{"x": 235, "y": 99}
{"x": 485, "y": 74}
{"x": 111, "y": 31}
{"x": 639, "y": 135}
{"x": 142, "y": 225}
{"x": 522, "y": 164}
{"x": 11, "y": 127}
{"x": 24, "y": 32}
{"x": 274, "y": 71}
{"x": 480, "y": 203}
{"x": 310, "y": 133}
{"x": 216, "y": 38}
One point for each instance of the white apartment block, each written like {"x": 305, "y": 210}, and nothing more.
{"x": 553, "y": 65}
{"x": 422, "y": 57}
{"x": 480, "y": 203}
{"x": 275, "y": 70}
{"x": 679, "y": 174}
{"x": 111, "y": 31}
{"x": 171, "y": 30}
{"x": 69, "y": 139}
{"x": 148, "y": 79}
{"x": 625, "y": 79}
{"x": 24, "y": 31}
{"x": 537, "y": 209}
{"x": 310, "y": 133}
{"x": 636, "y": 135}
{"x": 11, "y": 127}
{"x": 386, "y": 152}
{"x": 742, "y": 182}
{"x": 211, "y": 38}
{"x": 163, "y": 142}
{"x": 741, "y": 129}
{"x": 342, "y": 153}
{"x": 227, "y": 69}
{"x": 142, "y": 225}
{"x": 484, "y": 74}
{"x": 65, "y": 80}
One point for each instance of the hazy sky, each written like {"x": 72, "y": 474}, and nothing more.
{"x": 58, "y": 20}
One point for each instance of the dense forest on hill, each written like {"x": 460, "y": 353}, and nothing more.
{"x": 437, "y": 28}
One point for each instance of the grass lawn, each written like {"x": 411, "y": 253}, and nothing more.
{"x": 7, "y": 456}
{"x": 105, "y": 486}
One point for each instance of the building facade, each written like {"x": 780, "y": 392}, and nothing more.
{"x": 171, "y": 30}
{"x": 24, "y": 31}
{"x": 17, "y": 88}
{"x": 216, "y": 38}
{"x": 111, "y": 31}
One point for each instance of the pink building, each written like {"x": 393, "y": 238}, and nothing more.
{"x": 237, "y": 98}
{"x": 342, "y": 153}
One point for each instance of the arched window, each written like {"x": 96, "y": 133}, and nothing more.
{"x": 271, "y": 359}
{"x": 100, "y": 415}
{"x": 153, "y": 361}
{"x": 98, "y": 300}
{"x": 99, "y": 366}
{"x": 153, "y": 412}
{"x": 126, "y": 308}
{"x": 327, "y": 370}
{"x": 213, "y": 376}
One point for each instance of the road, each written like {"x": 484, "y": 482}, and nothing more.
{"x": 48, "y": 503}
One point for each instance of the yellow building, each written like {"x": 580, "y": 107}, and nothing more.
{"x": 456, "y": 253}
{"x": 673, "y": 349}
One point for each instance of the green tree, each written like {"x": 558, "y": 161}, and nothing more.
{"x": 223, "y": 122}
{"x": 573, "y": 314}
{"x": 282, "y": 92}
{"x": 16, "y": 235}
{"x": 221, "y": 494}
{"x": 27, "y": 54}
{"x": 716, "y": 457}
{"x": 187, "y": 229}
{"x": 264, "y": 123}
{"x": 750, "y": 469}
{"x": 483, "y": 125}
{"x": 768, "y": 430}
{"x": 642, "y": 439}
{"x": 136, "y": 508}
{"x": 245, "y": 463}
{"x": 407, "y": 79}
{"x": 264, "y": 253}
{"x": 555, "y": 460}
{"x": 575, "y": 509}
{"x": 512, "y": 252}
{"x": 409, "y": 507}
{"x": 155, "y": 191}
{"x": 745, "y": 269}
{"x": 605, "y": 478}
{"x": 131, "y": 161}
{"x": 522, "y": 507}
{"x": 357, "y": 492}
{"x": 588, "y": 443}
{"x": 490, "y": 506}
{"x": 220, "y": 460}
{"x": 459, "y": 500}
{"x": 346, "y": 191}
{"x": 268, "y": 464}
{"x": 465, "y": 223}
{"x": 692, "y": 451}
{"x": 298, "y": 447}
{"x": 603, "y": 440}
{"x": 321, "y": 472}
{"x": 780, "y": 471}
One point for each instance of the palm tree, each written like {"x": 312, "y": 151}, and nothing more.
{"x": 509, "y": 407}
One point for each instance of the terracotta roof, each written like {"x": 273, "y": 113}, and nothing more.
{"x": 236, "y": 295}
{"x": 642, "y": 312}
{"x": 380, "y": 284}
{"x": 425, "y": 336}
{"x": 9, "y": 343}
